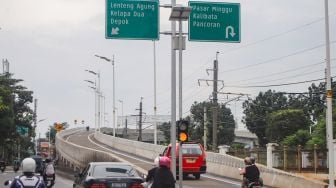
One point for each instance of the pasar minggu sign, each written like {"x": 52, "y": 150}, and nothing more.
{"x": 214, "y": 21}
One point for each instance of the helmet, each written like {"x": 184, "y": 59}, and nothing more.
{"x": 28, "y": 165}
{"x": 164, "y": 161}
{"x": 247, "y": 160}
{"x": 156, "y": 161}
{"x": 47, "y": 160}
{"x": 252, "y": 160}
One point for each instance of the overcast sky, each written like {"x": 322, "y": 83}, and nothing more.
{"x": 49, "y": 44}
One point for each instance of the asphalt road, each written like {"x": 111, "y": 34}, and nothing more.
{"x": 86, "y": 139}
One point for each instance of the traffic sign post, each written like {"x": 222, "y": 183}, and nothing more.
{"x": 132, "y": 19}
{"x": 214, "y": 22}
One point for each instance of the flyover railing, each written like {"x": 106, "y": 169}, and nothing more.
{"x": 217, "y": 164}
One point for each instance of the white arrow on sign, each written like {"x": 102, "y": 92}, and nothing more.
{"x": 232, "y": 33}
{"x": 115, "y": 31}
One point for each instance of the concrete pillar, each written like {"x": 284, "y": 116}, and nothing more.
{"x": 270, "y": 148}
{"x": 223, "y": 149}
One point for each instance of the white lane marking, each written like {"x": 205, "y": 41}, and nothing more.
{"x": 117, "y": 151}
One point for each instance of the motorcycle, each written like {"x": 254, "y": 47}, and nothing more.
{"x": 16, "y": 168}
{"x": 255, "y": 184}
{"x": 7, "y": 183}
{"x": 2, "y": 168}
{"x": 49, "y": 181}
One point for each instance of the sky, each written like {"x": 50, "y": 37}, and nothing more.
{"x": 50, "y": 43}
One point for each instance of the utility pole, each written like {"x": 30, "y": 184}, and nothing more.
{"x": 35, "y": 124}
{"x": 214, "y": 100}
{"x": 205, "y": 129}
{"x": 215, "y": 105}
{"x": 329, "y": 94}
{"x": 140, "y": 121}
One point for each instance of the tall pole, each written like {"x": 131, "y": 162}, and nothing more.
{"x": 140, "y": 122}
{"x": 99, "y": 101}
{"x": 329, "y": 102}
{"x": 122, "y": 112}
{"x": 35, "y": 124}
{"x": 173, "y": 97}
{"x": 205, "y": 129}
{"x": 215, "y": 105}
{"x": 180, "y": 100}
{"x": 113, "y": 97}
{"x": 155, "y": 124}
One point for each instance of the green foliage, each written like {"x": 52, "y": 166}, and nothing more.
{"x": 301, "y": 137}
{"x": 165, "y": 128}
{"x": 256, "y": 111}
{"x": 286, "y": 122}
{"x": 226, "y": 123}
{"x": 14, "y": 110}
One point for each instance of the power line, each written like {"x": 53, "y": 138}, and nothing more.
{"x": 277, "y": 58}
{"x": 276, "y": 85}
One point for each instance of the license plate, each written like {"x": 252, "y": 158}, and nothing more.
{"x": 119, "y": 185}
{"x": 50, "y": 178}
{"x": 190, "y": 160}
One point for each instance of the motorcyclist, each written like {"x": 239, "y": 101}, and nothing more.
{"x": 250, "y": 173}
{"x": 49, "y": 171}
{"x": 28, "y": 179}
{"x": 163, "y": 177}
{"x": 261, "y": 181}
{"x": 2, "y": 165}
{"x": 16, "y": 165}
{"x": 150, "y": 175}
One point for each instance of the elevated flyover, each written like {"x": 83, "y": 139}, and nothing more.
{"x": 78, "y": 154}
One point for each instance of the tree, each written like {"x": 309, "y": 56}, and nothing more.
{"x": 14, "y": 111}
{"x": 286, "y": 122}
{"x": 226, "y": 123}
{"x": 301, "y": 137}
{"x": 256, "y": 111}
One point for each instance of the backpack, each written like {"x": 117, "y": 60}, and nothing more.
{"x": 49, "y": 170}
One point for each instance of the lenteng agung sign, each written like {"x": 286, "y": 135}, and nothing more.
{"x": 132, "y": 19}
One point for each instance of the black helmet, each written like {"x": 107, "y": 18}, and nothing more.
{"x": 47, "y": 160}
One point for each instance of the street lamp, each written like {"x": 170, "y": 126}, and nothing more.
{"x": 179, "y": 13}
{"x": 112, "y": 61}
{"x": 98, "y": 94}
{"x": 122, "y": 111}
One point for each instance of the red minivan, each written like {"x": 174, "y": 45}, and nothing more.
{"x": 193, "y": 156}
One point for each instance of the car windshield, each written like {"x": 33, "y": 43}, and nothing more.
{"x": 191, "y": 149}
{"x": 115, "y": 170}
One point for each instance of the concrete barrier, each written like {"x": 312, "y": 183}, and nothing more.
{"x": 218, "y": 164}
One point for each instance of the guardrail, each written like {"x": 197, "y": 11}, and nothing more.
{"x": 78, "y": 156}
{"x": 218, "y": 164}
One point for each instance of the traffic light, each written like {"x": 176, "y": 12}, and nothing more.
{"x": 182, "y": 130}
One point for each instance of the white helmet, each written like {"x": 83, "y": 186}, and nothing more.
{"x": 28, "y": 165}
{"x": 156, "y": 161}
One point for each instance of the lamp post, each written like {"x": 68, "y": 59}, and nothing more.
{"x": 98, "y": 93}
{"x": 179, "y": 14}
{"x": 112, "y": 61}
{"x": 95, "y": 91}
{"x": 122, "y": 112}
{"x": 329, "y": 94}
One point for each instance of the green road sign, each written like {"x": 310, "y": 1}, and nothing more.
{"x": 214, "y": 21}
{"x": 23, "y": 131}
{"x": 132, "y": 19}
